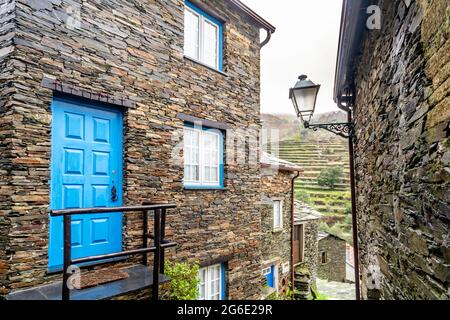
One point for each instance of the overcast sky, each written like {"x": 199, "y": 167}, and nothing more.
{"x": 305, "y": 42}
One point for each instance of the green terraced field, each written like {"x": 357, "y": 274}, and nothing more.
{"x": 313, "y": 158}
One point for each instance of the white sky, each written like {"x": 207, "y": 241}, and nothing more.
{"x": 305, "y": 42}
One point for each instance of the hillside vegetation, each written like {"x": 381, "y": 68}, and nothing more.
{"x": 314, "y": 152}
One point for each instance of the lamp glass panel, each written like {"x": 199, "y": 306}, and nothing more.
{"x": 305, "y": 98}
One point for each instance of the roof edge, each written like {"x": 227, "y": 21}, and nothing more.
{"x": 352, "y": 30}
{"x": 252, "y": 14}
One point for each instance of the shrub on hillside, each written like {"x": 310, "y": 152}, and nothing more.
{"x": 329, "y": 177}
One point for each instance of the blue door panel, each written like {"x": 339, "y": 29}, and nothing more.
{"x": 86, "y": 163}
{"x": 271, "y": 278}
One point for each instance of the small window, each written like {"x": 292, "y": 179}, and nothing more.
{"x": 212, "y": 285}
{"x": 203, "y": 37}
{"x": 266, "y": 272}
{"x": 324, "y": 258}
{"x": 285, "y": 268}
{"x": 277, "y": 214}
{"x": 203, "y": 158}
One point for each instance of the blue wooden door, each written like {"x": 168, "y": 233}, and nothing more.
{"x": 86, "y": 164}
{"x": 271, "y": 277}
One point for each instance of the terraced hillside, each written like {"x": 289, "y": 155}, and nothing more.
{"x": 314, "y": 157}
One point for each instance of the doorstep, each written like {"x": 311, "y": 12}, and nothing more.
{"x": 140, "y": 277}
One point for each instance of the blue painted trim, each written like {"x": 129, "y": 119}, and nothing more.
{"x": 215, "y": 21}
{"x": 221, "y": 185}
{"x": 224, "y": 297}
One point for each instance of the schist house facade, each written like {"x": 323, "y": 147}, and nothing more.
{"x": 120, "y": 103}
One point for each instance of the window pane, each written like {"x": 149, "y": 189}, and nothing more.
{"x": 215, "y": 175}
{"x": 202, "y": 285}
{"x": 210, "y": 41}
{"x": 210, "y": 283}
{"x": 191, "y": 155}
{"x": 191, "y": 34}
{"x": 277, "y": 214}
{"x": 210, "y": 157}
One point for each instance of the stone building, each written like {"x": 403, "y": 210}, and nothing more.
{"x": 306, "y": 239}
{"x": 331, "y": 260}
{"x": 277, "y": 186}
{"x": 393, "y": 76}
{"x": 128, "y": 98}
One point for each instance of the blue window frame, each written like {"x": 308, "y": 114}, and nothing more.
{"x": 203, "y": 37}
{"x": 203, "y": 157}
{"x": 212, "y": 284}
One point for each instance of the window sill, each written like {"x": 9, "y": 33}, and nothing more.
{"x": 277, "y": 230}
{"x": 205, "y": 65}
{"x": 205, "y": 189}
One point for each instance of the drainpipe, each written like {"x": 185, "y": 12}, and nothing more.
{"x": 353, "y": 192}
{"x": 266, "y": 41}
{"x": 293, "y": 227}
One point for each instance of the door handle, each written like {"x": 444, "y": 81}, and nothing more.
{"x": 113, "y": 193}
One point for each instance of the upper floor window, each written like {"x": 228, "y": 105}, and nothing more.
{"x": 203, "y": 157}
{"x": 277, "y": 214}
{"x": 203, "y": 37}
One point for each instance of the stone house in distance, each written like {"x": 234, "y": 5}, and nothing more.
{"x": 277, "y": 217}
{"x": 332, "y": 258}
{"x": 122, "y": 103}
{"x": 393, "y": 79}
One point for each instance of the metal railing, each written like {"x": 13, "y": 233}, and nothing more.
{"x": 160, "y": 243}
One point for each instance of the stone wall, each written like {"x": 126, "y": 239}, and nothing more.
{"x": 7, "y": 15}
{"x": 402, "y": 151}
{"x": 276, "y": 244}
{"x": 334, "y": 269}
{"x": 133, "y": 50}
{"x": 312, "y": 248}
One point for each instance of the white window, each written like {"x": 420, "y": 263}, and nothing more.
{"x": 202, "y": 157}
{"x": 285, "y": 268}
{"x": 210, "y": 287}
{"x": 201, "y": 37}
{"x": 277, "y": 214}
{"x": 266, "y": 271}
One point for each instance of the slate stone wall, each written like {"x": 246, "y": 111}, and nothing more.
{"x": 334, "y": 269}
{"x": 133, "y": 50}
{"x": 403, "y": 152}
{"x": 276, "y": 244}
{"x": 311, "y": 248}
{"x": 7, "y": 15}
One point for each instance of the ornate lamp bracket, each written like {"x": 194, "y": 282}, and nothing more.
{"x": 345, "y": 130}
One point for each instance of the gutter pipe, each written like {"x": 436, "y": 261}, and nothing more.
{"x": 293, "y": 226}
{"x": 353, "y": 192}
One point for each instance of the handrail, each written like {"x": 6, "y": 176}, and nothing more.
{"x": 71, "y": 212}
{"x": 160, "y": 243}
{"x": 166, "y": 245}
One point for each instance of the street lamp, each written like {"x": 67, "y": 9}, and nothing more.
{"x": 304, "y": 98}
